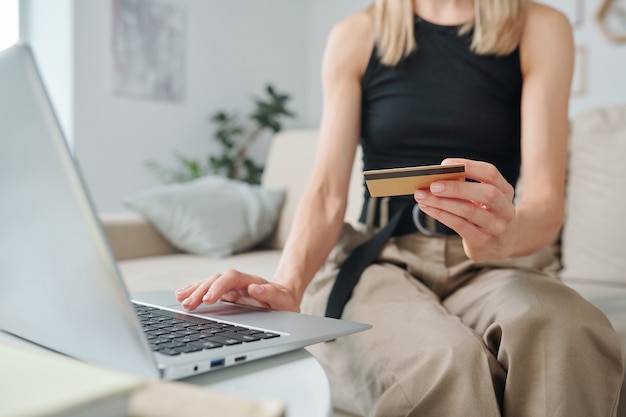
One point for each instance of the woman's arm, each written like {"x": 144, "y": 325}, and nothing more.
{"x": 320, "y": 213}
{"x": 483, "y": 213}
{"x": 547, "y": 55}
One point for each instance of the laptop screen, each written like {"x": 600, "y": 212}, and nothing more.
{"x": 59, "y": 286}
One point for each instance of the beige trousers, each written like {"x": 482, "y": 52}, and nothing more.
{"x": 452, "y": 337}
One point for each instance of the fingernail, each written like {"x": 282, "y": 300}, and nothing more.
{"x": 420, "y": 195}
{"x": 258, "y": 289}
{"x": 207, "y": 296}
{"x": 181, "y": 292}
{"x": 187, "y": 301}
{"x": 436, "y": 187}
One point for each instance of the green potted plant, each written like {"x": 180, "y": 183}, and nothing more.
{"x": 235, "y": 140}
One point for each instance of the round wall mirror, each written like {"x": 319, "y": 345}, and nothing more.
{"x": 612, "y": 19}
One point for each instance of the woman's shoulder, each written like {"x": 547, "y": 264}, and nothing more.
{"x": 547, "y": 33}
{"x": 355, "y": 25}
{"x": 542, "y": 16}
{"x": 352, "y": 38}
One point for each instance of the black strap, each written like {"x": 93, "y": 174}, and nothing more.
{"x": 358, "y": 260}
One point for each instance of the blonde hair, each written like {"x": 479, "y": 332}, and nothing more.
{"x": 497, "y": 27}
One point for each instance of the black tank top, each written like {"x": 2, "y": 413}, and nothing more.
{"x": 442, "y": 101}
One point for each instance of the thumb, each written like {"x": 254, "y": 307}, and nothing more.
{"x": 276, "y": 297}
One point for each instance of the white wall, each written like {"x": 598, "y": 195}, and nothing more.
{"x": 322, "y": 15}
{"x": 233, "y": 49}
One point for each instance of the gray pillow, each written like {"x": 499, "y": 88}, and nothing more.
{"x": 212, "y": 216}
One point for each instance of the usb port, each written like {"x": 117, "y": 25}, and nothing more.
{"x": 217, "y": 362}
{"x": 240, "y": 358}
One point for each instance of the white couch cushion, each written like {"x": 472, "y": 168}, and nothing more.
{"x": 170, "y": 272}
{"x": 594, "y": 234}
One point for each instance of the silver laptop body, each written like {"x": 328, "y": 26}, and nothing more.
{"x": 59, "y": 284}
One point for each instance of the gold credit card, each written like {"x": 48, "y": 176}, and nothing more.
{"x": 404, "y": 181}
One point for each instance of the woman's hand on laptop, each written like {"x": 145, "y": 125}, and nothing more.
{"x": 237, "y": 287}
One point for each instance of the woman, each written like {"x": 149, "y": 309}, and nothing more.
{"x": 465, "y": 321}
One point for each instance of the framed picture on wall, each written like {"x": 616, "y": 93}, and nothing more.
{"x": 148, "y": 49}
{"x": 579, "y": 82}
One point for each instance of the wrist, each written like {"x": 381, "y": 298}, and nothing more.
{"x": 291, "y": 285}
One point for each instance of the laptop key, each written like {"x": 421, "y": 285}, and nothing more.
{"x": 211, "y": 332}
{"x": 250, "y": 338}
{"x": 157, "y": 332}
{"x": 206, "y": 344}
{"x": 169, "y": 352}
{"x": 225, "y": 340}
{"x": 172, "y": 344}
{"x": 239, "y": 336}
{"x": 188, "y": 349}
{"x": 249, "y": 331}
{"x": 187, "y": 339}
{"x": 236, "y": 329}
{"x": 267, "y": 335}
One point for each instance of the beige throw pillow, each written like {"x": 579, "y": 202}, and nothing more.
{"x": 594, "y": 234}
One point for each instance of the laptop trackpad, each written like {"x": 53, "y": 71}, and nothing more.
{"x": 168, "y": 300}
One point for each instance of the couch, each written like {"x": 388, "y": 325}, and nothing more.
{"x": 592, "y": 244}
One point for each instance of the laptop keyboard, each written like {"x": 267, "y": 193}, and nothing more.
{"x": 171, "y": 333}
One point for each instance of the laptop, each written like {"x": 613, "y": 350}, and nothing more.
{"x": 60, "y": 287}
